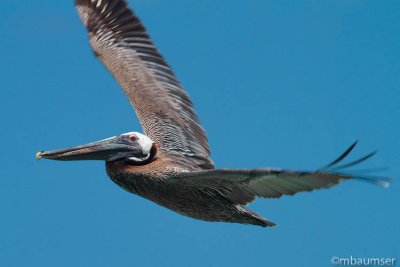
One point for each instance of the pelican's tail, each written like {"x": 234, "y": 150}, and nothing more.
{"x": 250, "y": 217}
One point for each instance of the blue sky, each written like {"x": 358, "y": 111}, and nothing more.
{"x": 275, "y": 83}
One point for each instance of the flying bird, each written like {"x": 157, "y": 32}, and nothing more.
{"x": 170, "y": 163}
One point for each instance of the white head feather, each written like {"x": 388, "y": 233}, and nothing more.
{"x": 145, "y": 143}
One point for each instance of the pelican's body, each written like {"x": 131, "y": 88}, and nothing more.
{"x": 170, "y": 163}
{"x": 161, "y": 183}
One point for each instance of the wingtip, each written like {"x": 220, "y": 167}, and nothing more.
{"x": 342, "y": 156}
{"x": 80, "y": 2}
{"x": 353, "y": 145}
{"x": 383, "y": 182}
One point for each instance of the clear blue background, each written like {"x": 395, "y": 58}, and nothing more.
{"x": 276, "y": 83}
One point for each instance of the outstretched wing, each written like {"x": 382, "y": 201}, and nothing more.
{"x": 243, "y": 186}
{"x": 164, "y": 109}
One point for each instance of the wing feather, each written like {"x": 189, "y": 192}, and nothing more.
{"x": 164, "y": 109}
{"x": 243, "y": 186}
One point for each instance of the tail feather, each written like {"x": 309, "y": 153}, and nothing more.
{"x": 253, "y": 218}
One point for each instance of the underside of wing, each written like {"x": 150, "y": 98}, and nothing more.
{"x": 243, "y": 186}
{"x": 164, "y": 109}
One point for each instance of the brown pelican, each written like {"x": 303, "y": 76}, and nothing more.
{"x": 170, "y": 165}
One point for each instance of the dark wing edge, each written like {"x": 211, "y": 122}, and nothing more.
{"x": 243, "y": 186}
{"x": 164, "y": 109}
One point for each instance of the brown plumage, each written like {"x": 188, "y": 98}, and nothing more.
{"x": 164, "y": 109}
{"x": 171, "y": 163}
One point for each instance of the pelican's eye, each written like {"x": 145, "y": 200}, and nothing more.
{"x": 133, "y": 138}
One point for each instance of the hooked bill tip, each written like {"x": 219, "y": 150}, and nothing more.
{"x": 38, "y": 155}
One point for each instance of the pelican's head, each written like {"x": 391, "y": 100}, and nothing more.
{"x": 131, "y": 146}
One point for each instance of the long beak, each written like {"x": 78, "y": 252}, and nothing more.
{"x": 108, "y": 149}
